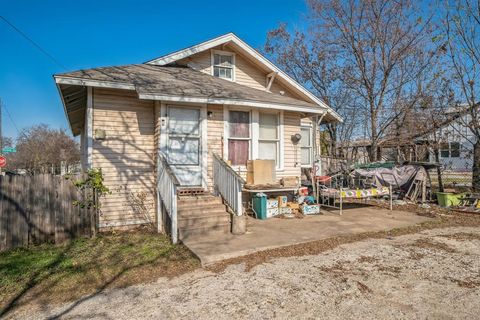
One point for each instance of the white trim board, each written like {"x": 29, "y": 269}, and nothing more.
{"x": 94, "y": 83}
{"x": 231, "y": 37}
{"x": 233, "y": 102}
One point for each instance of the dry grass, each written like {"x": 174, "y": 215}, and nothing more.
{"x": 433, "y": 245}
{"x": 49, "y": 273}
{"x": 462, "y": 236}
{"x": 367, "y": 259}
{"x": 466, "y": 283}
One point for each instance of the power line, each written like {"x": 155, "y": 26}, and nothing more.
{"x": 34, "y": 43}
{"x": 4, "y": 107}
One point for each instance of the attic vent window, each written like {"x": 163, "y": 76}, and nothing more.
{"x": 223, "y": 65}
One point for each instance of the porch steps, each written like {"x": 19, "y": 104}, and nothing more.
{"x": 202, "y": 216}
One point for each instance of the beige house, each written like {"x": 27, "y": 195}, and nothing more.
{"x": 172, "y": 123}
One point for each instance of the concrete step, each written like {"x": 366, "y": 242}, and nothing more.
{"x": 202, "y": 210}
{"x": 204, "y": 221}
{"x": 194, "y": 202}
{"x": 222, "y": 228}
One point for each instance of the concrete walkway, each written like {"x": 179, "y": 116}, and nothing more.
{"x": 275, "y": 232}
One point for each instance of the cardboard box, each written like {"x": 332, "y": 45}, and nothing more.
{"x": 272, "y": 212}
{"x": 290, "y": 181}
{"x": 272, "y": 203}
{"x": 310, "y": 209}
{"x": 282, "y": 201}
{"x": 293, "y": 205}
{"x": 286, "y": 210}
{"x": 261, "y": 172}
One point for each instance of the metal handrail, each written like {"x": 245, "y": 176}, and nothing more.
{"x": 228, "y": 184}
{"x": 167, "y": 184}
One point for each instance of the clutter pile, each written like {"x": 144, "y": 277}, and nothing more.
{"x": 271, "y": 199}
{"x": 286, "y": 206}
{"x": 459, "y": 201}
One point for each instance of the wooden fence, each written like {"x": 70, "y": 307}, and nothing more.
{"x": 38, "y": 209}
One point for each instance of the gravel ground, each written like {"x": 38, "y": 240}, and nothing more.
{"x": 433, "y": 274}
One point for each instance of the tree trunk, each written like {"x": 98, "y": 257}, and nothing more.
{"x": 476, "y": 166}
{"x": 373, "y": 154}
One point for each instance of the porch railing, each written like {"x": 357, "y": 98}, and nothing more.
{"x": 167, "y": 185}
{"x": 228, "y": 184}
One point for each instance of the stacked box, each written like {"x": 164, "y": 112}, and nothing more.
{"x": 286, "y": 210}
{"x": 272, "y": 203}
{"x": 282, "y": 201}
{"x": 310, "y": 209}
{"x": 272, "y": 212}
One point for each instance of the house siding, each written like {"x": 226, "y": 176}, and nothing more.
{"x": 246, "y": 73}
{"x": 126, "y": 156}
{"x": 291, "y": 126}
{"x": 214, "y": 138}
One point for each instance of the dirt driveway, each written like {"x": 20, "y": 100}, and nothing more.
{"x": 433, "y": 274}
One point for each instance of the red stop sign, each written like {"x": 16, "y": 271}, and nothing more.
{"x": 3, "y": 161}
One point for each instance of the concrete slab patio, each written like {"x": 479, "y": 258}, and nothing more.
{"x": 274, "y": 232}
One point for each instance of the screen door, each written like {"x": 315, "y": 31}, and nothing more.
{"x": 184, "y": 145}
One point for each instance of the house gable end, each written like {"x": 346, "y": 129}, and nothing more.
{"x": 198, "y": 56}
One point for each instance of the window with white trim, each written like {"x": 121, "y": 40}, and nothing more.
{"x": 269, "y": 137}
{"x": 306, "y": 145}
{"x": 239, "y": 137}
{"x": 450, "y": 150}
{"x": 223, "y": 65}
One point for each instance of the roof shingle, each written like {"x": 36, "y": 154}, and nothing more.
{"x": 181, "y": 81}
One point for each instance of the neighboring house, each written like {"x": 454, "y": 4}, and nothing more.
{"x": 456, "y": 141}
{"x": 218, "y": 97}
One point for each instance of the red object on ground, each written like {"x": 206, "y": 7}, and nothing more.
{"x": 3, "y": 161}
{"x": 303, "y": 191}
{"x": 323, "y": 179}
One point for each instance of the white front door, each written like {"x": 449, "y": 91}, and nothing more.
{"x": 184, "y": 147}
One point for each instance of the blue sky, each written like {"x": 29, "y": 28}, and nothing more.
{"x": 85, "y": 34}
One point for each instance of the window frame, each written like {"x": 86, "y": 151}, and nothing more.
{"x": 254, "y": 135}
{"x": 222, "y": 53}
{"x": 448, "y": 144}
{"x": 277, "y": 140}
{"x": 228, "y": 138}
{"x": 308, "y": 126}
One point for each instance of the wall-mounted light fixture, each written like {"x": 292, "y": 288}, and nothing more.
{"x": 296, "y": 138}
{"x": 100, "y": 134}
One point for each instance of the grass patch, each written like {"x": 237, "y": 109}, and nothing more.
{"x": 52, "y": 273}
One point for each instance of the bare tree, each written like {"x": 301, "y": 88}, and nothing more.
{"x": 462, "y": 30}
{"x": 372, "y": 49}
{"x": 41, "y": 149}
{"x": 309, "y": 62}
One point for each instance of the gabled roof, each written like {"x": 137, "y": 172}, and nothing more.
{"x": 151, "y": 81}
{"x": 179, "y": 84}
{"x": 231, "y": 38}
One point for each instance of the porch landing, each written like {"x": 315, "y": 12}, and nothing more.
{"x": 274, "y": 233}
